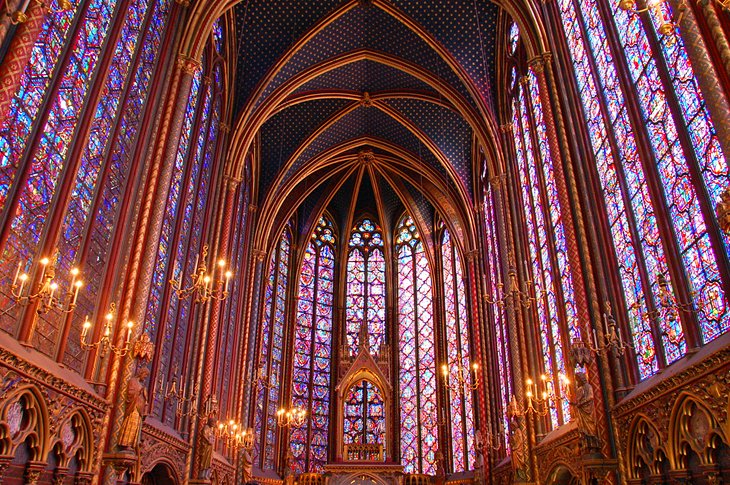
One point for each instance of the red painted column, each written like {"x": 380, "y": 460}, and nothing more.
{"x": 211, "y": 353}
{"x": 143, "y": 253}
{"x": 581, "y": 270}
{"x": 19, "y": 52}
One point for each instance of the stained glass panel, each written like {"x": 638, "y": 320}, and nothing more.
{"x": 270, "y": 360}
{"x": 365, "y": 286}
{"x": 458, "y": 355}
{"x": 416, "y": 343}
{"x": 313, "y": 348}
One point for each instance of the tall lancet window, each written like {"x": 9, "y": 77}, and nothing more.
{"x": 270, "y": 352}
{"x": 417, "y": 370}
{"x": 67, "y": 145}
{"x": 547, "y": 256}
{"x": 660, "y": 168}
{"x": 366, "y": 286}
{"x": 458, "y": 353}
{"x": 312, "y": 349}
{"x": 494, "y": 273}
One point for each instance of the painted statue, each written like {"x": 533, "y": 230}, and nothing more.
{"x": 134, "y": 410}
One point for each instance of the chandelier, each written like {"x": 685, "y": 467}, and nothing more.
{"x": 292, "y": 417}
{"x": 234, "y": 435}
{"x": 522, "y": 296}
{"x": 203, "y": 285}
{"x": 105, "y": 342}
{"x": 47, "y": 292}
{"x": 461, "y": 380}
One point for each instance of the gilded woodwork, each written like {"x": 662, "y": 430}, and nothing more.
{"x": 684, "y": 413}
{"x": 40, "y": 408}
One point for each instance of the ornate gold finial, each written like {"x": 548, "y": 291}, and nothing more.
{"x": 723, "y": 211}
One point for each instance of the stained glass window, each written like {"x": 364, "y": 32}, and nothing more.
{"x": 682, "y": 156}
{"x": 232, "y": 310}
{"x": 116, "y": 144}
{"x": 416, "y": 344}
{"x": 548, "y": 261}
{"x": 218, "y": 35}
{"x": 458, "y": 355}
{"x": 312, "y": 349}
{"x": 165, "y": 270}
{"x": 514, "y": 37}
{"x": 40, "y": 125}
{"x": 65, "y": 102}
{"x": 364, "y": 414}
{"x": 365, "y": 286}
{"x": 270, "y": 358}
{"x": 499, "y": 320}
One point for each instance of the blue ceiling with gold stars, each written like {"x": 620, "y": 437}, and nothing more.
{"x": 314, "y": 75}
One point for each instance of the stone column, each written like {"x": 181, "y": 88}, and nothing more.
{"x": 257, "y": 277}
{"x": 716, "y": 30}
{"x": 144, "y": 252}
{"x": 599, "y": 376}
{"x": 209, "y": 359}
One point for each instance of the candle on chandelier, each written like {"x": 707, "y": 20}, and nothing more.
{"x": 53, "y": 286}
{"x": 228, "y": 278}
{"x": 17, "y": 273}
{"x": 23, "y": 278}
{"x": 44, "y": 262}
{"x": 85, "y": 327}
{"x": 222, "y": 266}
{"x": 74, "y": 273}
{"x": 77, "y": 287}
{"x": 130, "y": 325}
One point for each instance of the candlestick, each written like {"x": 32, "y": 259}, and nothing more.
{"x": 44, "y": 262}
{"x": 17, "y": 272}
{"x": 85, "y": 327}
{"x": 228, "y": 278}
{"x": 23, "y": 278}
{"x": 78, "y": 286}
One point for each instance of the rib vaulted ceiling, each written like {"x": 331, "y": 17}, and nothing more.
{"x": 363, "y": 106}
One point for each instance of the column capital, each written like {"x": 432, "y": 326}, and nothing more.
{"x": 496, "y": 181}
{"x": 231, "y": 182}
{"x": 537, "y": 63}
{"x": 507, "y": 127}
{"x": 188, "y": 65}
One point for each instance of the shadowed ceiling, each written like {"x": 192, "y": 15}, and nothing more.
{"x": 364, "y": 106}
